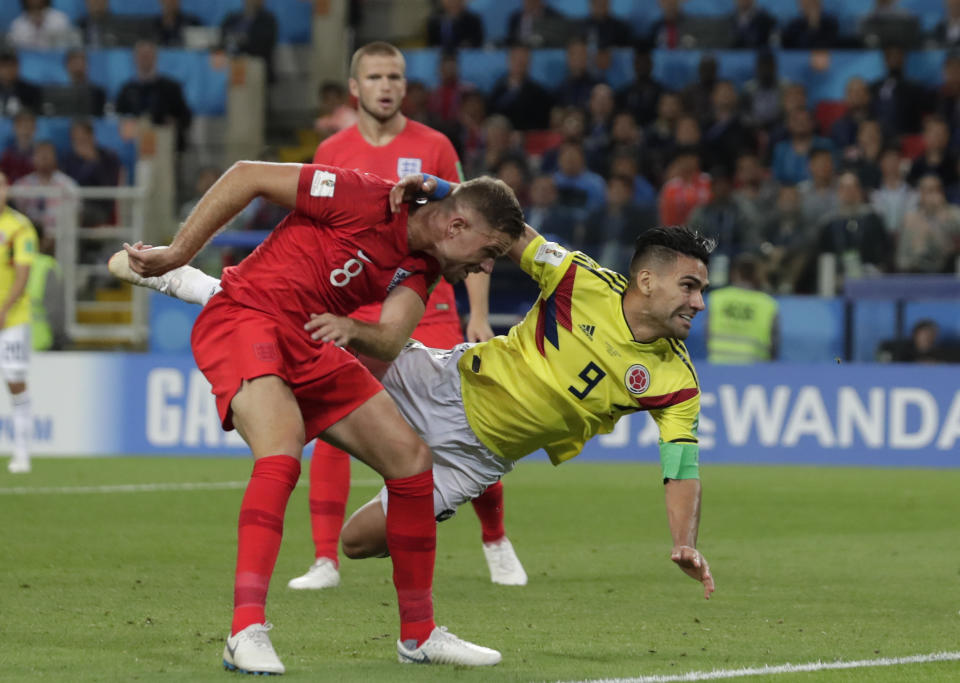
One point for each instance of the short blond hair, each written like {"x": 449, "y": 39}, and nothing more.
{"x": 378, "y": 47}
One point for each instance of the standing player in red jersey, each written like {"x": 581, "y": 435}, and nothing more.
{"x": 340, "y": 248}
{"x": 386, "y": 143}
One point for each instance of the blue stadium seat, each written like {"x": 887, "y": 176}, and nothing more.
{"x": 811, "y": 329}
{"x": 874, "y": 321}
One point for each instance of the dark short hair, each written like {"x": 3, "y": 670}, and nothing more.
{"x": 664, "y": 244}
{"x": 495, "y": 201}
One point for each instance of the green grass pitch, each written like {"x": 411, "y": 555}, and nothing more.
{"x": 811, "y": 564}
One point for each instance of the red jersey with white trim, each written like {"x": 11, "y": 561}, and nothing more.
{"x": 416, "y": 149}
{"x": 340, "y": 248}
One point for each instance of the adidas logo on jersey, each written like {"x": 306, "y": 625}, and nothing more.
{"x": 588, "y": 330}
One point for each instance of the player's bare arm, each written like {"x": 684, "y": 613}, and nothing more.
{"x": 383, "y": 340}
{"x": 478, "y": 293}
{"x": 243, "y": 182}
{"x": 682, "y": 498}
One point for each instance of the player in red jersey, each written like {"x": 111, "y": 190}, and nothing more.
{"x": 341, "y": 247}
{"x": 388, "y": 144}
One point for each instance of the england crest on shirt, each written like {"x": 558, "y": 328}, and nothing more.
{"x": 406, "y": 166}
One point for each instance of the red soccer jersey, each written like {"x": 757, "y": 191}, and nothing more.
{"x": 416, "y": 149}
{"x": 339, "y": 249}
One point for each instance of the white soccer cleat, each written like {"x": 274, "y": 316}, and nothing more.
{"x": 505, "y": 567}
{"x": 19, "y": 465}
{"x": 442, "y": 647}
{"x": 185, "y": 283}
{"x": 251, "y": 652}
{"x": 322, "y": 574}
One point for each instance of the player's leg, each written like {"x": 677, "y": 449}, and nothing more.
{"x": 329, "y": 490}
{"x": 365, "y": 533}
{"x": 377, "y": 434}
{"x": 505, "y": 567}
{"x": 14, "y": 359}
{"x": 266, "y": 414}
{"x": 185, "y": 283}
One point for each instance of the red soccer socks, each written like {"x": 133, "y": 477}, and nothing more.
{"x": 329, "y": 488}
{"x": 489, "y": 508}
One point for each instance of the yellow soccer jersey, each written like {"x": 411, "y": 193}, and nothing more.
{"x": 18, "y": 240}
{"x": 571, "y": 369}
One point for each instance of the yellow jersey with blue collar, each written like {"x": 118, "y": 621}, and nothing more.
{"x": 18, "y": 242}
{"x": 572, "y": 368}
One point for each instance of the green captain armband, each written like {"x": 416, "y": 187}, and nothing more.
{"x": 679, "y": 460}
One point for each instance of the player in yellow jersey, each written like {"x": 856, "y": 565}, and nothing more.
{"x": 597, "y": 345}
{"x": 18, "y": 240}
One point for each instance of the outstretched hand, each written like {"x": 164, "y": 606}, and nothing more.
{"x": 409, "y": 188}
{"x": 695, "y": 566}
{"x": 148, "y": 261}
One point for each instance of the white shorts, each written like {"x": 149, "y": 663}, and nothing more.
{"x": 15, "y": 352}
{"x": 425, "y": 385}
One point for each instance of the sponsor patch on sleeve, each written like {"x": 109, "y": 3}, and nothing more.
{"x": 323, "y": 185}
{"x": 550, "y": 252}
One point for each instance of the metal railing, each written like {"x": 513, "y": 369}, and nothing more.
{"x": 82, "y": 253}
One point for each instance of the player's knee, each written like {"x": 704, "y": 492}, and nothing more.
{"x": 358, "y": 548}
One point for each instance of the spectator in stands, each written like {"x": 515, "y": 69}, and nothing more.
{"x": 609, "y": 230}
{"x": 600, "y": 110}
{"x": 947, "y": 97}
{"x": 864, "y": 157}
{"x": 153, "y": 95}
{"x": 17, "y": 159}
{"x": 930, "y": 239}
{"x": 936, "y": 157}
{"x": 725, "y": 218}
{"x": 894, "y": 197}
{"x": 947, "y": 32}
{"x": 856, "y": 98}
{"x": 43, "y": 211}
{"x": 546, "y": 215}
{"x": 574, "y": 90}
{"x": 538, "y": 25}
{"x": 794, "y": 97}
{"x": 686, "y": 187}
{"x": 875, "y": 28}
{"x": 813, "y": 29}
{"x": 579, "y": 188}
{"x": 498, "y": 144}
{"x": 791, "y": 156}
{"x": 603, "y": 30}
{"x": 752, "y": 184}
{"x": 752, "y": 26}
{"x": 40, "y": 27}
{"x": 624, "y": 163}
{"x": 922, "y": 347}
{"x": 572, "y": 128}
{"x": 855, "y": 232}
{"x": 640, "y": 97}
{"x": 444, "y": 101}
{"x": 453, "y": 26}
{"x": 666, "y": 32}
{"x": 168, "y": 27}
{"x": 15, "y": 93}
{"x": 515, "y": 173}
{"x": 416, "y": 105}
{"x": 335, "y": 112}
{"x": 91, "y": 165}
{"x": 97, "y": 27}
{"x": 899, "y": 103}
{"x": 763, "y": 93}
{"x": 697, "y": 97}
{"x": 91, "y": 100}
{"x": 818, "y": 194}
{"x": 205, "y": 179}
{"x": 518, "y": 97}
{"x": 788, "y": 239}
{"x": 625, "y": 139}
{"x": 660, "y": 135}
{"x": 466, "y": 133}
{"x": 725, "y": 135}
{"x": 251, "y": 31}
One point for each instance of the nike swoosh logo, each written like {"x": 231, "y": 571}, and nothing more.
{"x": 421, "y": 658}
{"x": 231, "y": 650}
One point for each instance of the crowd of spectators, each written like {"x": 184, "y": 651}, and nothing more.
{"x": 755, "y": 166}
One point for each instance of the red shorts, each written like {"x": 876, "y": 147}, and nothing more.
{"x": 232, "y": 343}
{"x": 443, "y": 336}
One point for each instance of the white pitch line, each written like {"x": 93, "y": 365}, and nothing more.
{"x": 718, "y": 674}
{"x": 144, "y": 488}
